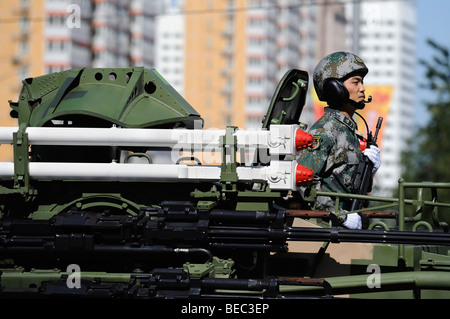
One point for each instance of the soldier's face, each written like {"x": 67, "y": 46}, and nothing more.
{"x": 355, "y": 87}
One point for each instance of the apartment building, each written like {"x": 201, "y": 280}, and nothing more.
{"x": 169, "y": 43}
{"x": 386, "y": 43}
{"x": 237, "y": 51}
{"x": 45, "y": 36}
{"x": 21, "y": 54}
{"x": 98, "y": 33}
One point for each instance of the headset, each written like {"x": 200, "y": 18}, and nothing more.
{"x": 336, "y": 94}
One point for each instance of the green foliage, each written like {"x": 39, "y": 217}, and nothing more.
{"x": 429, "y": 157}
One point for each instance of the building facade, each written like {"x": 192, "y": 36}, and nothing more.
{"x": 45, "y": 36}
{"x": 237, "y": 51}
{"x": 98, "y": 33}
{"x": 170, "y": 43}
{"x": 21, "y": 53}
{"x": 386, "y": 43}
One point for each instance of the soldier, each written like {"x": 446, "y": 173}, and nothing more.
{"x": 335, "y": 153}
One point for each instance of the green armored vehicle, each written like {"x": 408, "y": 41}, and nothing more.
{"x": 117, "y": 191}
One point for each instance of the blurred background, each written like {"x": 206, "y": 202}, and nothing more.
{"x": 225, "y": 57}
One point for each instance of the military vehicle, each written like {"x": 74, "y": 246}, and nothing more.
{"x": 117, "y": 191}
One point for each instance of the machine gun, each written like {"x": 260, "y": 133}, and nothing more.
{"x": 101, "y": 200}
{"x": 363, "y": 177}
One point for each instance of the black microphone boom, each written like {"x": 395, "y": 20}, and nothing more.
{"x": 362, "y": 104}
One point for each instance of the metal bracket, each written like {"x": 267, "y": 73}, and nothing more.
{"x": 228, "y": 176}
{"x": 20, "y": 146}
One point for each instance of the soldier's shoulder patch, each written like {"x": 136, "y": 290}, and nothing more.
{"x": 347, "y": 120}
{"x": 317, "y": 139}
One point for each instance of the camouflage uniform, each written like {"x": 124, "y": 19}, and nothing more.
{"x": 334, "y": 155}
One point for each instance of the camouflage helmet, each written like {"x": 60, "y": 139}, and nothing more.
{"x": 338, "y": 65}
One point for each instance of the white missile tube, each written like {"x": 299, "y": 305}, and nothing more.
{"x": 280, "y": 139}
{"x": 279, "y": 174}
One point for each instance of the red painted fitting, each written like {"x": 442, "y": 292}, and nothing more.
{"x": 303, "y": 174}
{"x": 302, "y": 139}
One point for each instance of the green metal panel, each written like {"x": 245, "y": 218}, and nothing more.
{"x": 288, "y": 99}
{"x": 128, "y": 97}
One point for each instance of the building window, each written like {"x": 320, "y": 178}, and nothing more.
{"x": 22, "y": 72}
{"x": 23, "y": 48}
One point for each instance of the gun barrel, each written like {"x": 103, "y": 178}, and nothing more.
{"x": 380, "y": 121}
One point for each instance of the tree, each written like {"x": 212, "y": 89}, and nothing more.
{"x": 429, "y": 157}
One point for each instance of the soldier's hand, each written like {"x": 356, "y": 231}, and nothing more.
{"x": 373, "y": 153}
{"x": 353, "y": 221}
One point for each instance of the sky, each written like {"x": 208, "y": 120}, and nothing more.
{"x": 433, "y": 21}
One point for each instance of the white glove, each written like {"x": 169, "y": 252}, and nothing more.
{"x": 373, "y": 153}
{"x": 353, "y": 221}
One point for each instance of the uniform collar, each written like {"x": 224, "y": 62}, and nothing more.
{"x": 341, "y": 117}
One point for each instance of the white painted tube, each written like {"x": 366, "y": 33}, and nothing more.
{"x": 6, "y": 134}
{"x": 279, "y": 174}
{"x": 279, "y": 140}
{"x": 119, "y": 172}
{"x": 122, "y": 172}
{"x": 121, "y": 137}
{"x": 79, "y": 136}
{"x": 6, "y": 170}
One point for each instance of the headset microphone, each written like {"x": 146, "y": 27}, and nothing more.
{"x": 360, "y": 105}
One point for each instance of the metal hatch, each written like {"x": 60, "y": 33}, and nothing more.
{"x": 288, "y": 100}
{"x": 133, "y": 97}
